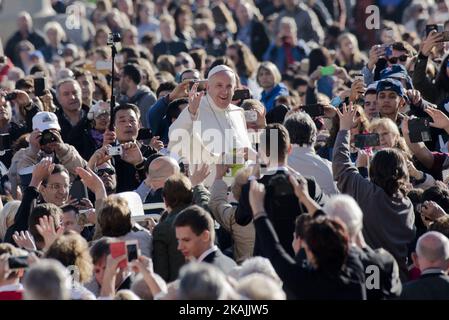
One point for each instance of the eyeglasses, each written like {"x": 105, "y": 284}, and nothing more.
{"x": 394, "y": 60}
{"x": 108, "y": 171}
{"x": 58, "y": 186}
{"x": 182, "y": 62}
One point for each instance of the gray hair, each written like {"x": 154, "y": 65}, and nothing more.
{"x": 47, "y": 280}
{"x": 259, "y": 265}
{"x": 202, "y": 281}
{"x": 301, "y": 128}
{"x": 64, "y": 81}
{"x": 260, "y": 287}
{"x": 433, "y": 247}
{"x": 347, "y": 209}
{"x": 141, "y": 289}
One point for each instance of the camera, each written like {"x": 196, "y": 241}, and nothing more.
{"x": 11, "y": 96}
{"x": 363, "y": 141}
{"x": 114, "y": 37}
{"x": 18, "y": 262}
{"x": 419, "y": 130}
{"x": 47, "y": 137}
{"x": 115, "y": 151}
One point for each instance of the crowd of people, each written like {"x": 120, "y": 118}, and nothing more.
{"x": 256, "y": 150}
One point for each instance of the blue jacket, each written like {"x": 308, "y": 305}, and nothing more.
{"x": 277, "y": 55}
{"x": 156, "y": 119}
{"x": 268, "y": 98}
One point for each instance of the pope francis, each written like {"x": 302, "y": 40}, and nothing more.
{"x": 210, "y": 125}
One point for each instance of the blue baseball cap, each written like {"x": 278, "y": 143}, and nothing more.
{"x": 397, "y": 71}
{"x": 391, "y": 85}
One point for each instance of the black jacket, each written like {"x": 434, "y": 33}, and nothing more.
{"x": 302, "y": 282}
{"x": 282, "y": 211}
{"x": 29, "y": 201}
{"x": 259, "y": 39}
{"x": 222, "y": 262}
{"x": 128, "y": 177}
{"x": 66, "y": 126}
{"x": 430, "y": 286}
{"x": 35, "y": 37}
{"x": 81, "y": 138}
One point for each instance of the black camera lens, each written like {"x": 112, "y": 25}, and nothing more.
{"x": 114, "y": 37}
{"x": 11, "y": 96}
{"x": 47, "y": 137}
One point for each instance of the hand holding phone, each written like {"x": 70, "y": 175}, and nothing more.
{"x": 419, "y": 130}
{"x": 118, "y": 249}
{"x": 241, "y": 94}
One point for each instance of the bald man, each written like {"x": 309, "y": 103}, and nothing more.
{"x": 159, "y": 170}
{"x": 432, "y": 258}
{"x": 25, "y": 32}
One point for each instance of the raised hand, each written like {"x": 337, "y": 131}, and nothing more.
{"x": 194, "y": 99}
{"x": 110, "y": 274}
{"x": 375, "y": 53}
{"x": 347, "y": 117}
{"x": 109, "y": 137}
{"x": 47, "y": 230}
{"x": 440, "y": 120}
{"x": 24, "y": 240}
{"x": 220, "y": 171}
{"x": 180, "y": 91}
{"x": 99, "y": 157}
{"x": 256, "y": 197}
{"x": 155, "y": 143}
{"x": 132, "y": 153}
{"x": 92, "y": 182}
{"x": 41, "y": 171}
{"x": 432, "y": 211}
{"x": 430, "y": 42}
{"x": 200, "y": 173}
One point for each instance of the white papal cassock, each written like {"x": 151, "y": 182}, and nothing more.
{"x": 220, "y": 130}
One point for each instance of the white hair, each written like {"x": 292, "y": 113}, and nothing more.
{"x": 260, "y": 287}
{"x": 258, "y": 265}
{"x": 347, "y": 209}
{"x": 7, "y": 215}
{"x": 47, "y": 279}
{"x": 433, "y": 247}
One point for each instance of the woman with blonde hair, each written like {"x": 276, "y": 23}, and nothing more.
{"x": 390, "y": 137}
{"x": 349, "y": 55}
{"x": 7, "y": 215}
{"x": 269, "y": 79}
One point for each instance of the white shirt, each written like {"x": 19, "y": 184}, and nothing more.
{"x": 308, "y": 163}
{"x": 206, "y": 253}
{"x": 12, "y": 287}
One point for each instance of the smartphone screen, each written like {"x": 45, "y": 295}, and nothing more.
{"x": 145, "y": 134}
{"x": 39, "y": 87}
{"x": 5, "y": 142}
{"x": 119, "y": 249}
{"x": 201, "y": 85}
{"x": 314, "y": 110}
{"x": 132, "y": 250}
{"x": 419, "y": 130}
{"x": 327, "y": 71}
{"x": 241, "y": 94}
{"x": 363, "y": 141}
{"x": 18, "y": 262}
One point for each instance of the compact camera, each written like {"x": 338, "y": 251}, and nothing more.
{"x": 115, "y": 151}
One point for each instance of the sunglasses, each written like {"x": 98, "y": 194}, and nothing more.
{"x": 108, "y": 171}
{"x": 394, "y": 60}
{"x": 182, "y": 62}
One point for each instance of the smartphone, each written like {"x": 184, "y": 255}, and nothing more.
{"x": 241, "y": 94}
{"x": 18, "y": 262}
{"x": 437, "y": 27}
{"x": 103, "y": 65}
{"x": 419, "y": 130}
{"x": 5, "y": 142}
{"x": 132, "y": 248}
{"x": 445, "y": 36}
{"x": 314, "y": 110}
{"x": 388, "y": 50}
{"x": 250, "y": 116}
{"x": 363, "y": 141}
{"x": 11, "y": 96}
{"x": 358, "y": 76}
{"x": 327, "y": 71}
{"x": 201, "y": 85}
{"x": 118, "y": 249}
{"x": 40, "y": 85}
{"x": 145, "y": 134}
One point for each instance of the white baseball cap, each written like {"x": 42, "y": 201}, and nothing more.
{"x": 98, "y": 108}
{"x": 45, "y": 120}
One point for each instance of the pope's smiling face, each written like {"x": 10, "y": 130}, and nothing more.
{"x": 221, "y": 87}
